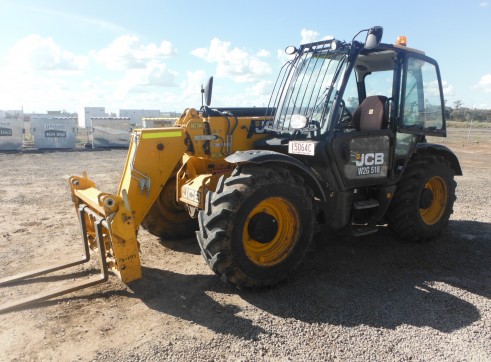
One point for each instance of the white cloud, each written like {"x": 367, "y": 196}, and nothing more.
{"x": 448, "y": 89}
{"x": 260, "y": 93}
{"x": 154, "y": 74}
{"x": 234, "y": 63}
{"x": 262, "y": 88}
{"x": 144, "y": 80}
{"x": 485, "y": 83}
{"x": 128, "y": 52}
{"x": 39, "y": 74}
{"x": 483, "y": 4}
{"x": 144, "y": 71}
{"x": 35, "y": 53}
{"x": 263, "y": 53}
{"x": 192, "y": 85}
{"x": 309, "y": 36}
{"x": 37, "y": 91}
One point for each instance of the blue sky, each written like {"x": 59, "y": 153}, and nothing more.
{"x": 67, "y": 54}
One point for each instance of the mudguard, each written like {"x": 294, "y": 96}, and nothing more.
{"x": 266, "y": 156}
{"x": 431, "y": 148}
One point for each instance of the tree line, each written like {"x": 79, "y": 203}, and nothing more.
{"x": 464, "y": 114}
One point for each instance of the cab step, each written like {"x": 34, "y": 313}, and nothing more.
{"x": 362, "y": 230}
{"x": 365, "y": 204}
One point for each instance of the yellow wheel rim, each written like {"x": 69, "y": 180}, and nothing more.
{"x": 270, "y": 231}
{"x": 433, "y": 213}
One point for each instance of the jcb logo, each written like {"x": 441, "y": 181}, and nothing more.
{"x": 191, "y": 194}
{"x": 369, "y": 159}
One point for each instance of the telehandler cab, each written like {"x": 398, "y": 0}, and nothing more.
{"x": 342, "y": 145}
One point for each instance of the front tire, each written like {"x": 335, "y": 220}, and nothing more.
{"x": 257, "y": 226}
{"x": 168, "y": 219}
{"x": 423, "y": 201}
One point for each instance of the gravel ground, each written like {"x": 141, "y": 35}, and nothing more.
{"x": 370, "y": 298}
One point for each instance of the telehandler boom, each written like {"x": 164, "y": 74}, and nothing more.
{"x": 342, "y": 145}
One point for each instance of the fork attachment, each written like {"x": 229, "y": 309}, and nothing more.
{"x": 99, "y": 224}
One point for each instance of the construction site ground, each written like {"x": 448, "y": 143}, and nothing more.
{"x": 368, "y": 298}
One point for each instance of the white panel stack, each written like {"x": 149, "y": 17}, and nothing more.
{"x": 11, "y": 134}
{"x": 158, "y": 122}
{"x": 54, "y": 132}
{"x": 110, "y": 132}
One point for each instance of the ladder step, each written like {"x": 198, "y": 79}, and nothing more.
{"x": 362, "y": 230}
{"x": 365, "y": 204}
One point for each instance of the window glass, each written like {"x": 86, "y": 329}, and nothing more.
{"x": 404, "y": 143}
{"x": 422, "y": 102}
{"x": 379, "y": 83}
{"x": 350, "y": 95}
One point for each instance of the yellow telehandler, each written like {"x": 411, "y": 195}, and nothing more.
{"x": 341, "y": 145}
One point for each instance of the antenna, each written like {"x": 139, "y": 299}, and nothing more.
{"x": 202, "y": 96}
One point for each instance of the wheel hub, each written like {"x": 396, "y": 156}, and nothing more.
{"x": 263, "y": 227}
{"x": 426, "y": 199}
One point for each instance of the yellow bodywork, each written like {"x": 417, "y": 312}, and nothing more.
{"x": 193, "y": 150}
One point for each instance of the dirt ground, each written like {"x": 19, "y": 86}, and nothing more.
{"x": 353, "y": 299}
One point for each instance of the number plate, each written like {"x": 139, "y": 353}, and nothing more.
{"x": 302, "y": 147}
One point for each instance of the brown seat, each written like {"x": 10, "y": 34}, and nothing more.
{"x": 370, "y": 114}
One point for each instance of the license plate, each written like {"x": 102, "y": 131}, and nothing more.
{"x": 302, "y": 147}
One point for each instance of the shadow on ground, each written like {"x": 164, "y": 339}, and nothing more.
{"x": 383, "y": 282}
{"x": 377, "y": 281}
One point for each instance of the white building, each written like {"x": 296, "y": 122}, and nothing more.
{"x": 11, "y": 114}
{"x": 88, "y": 112}
{"x": 136, "y": 115}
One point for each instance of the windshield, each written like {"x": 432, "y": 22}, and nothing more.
{"x": 305, "y": 87}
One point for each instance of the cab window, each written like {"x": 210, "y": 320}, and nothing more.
{"x": 379, "y": 83}
{"x": 422, "y": 101}
{"x": 351, "y": 94}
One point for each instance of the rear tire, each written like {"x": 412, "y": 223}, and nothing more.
{"x": 168, "y": 219}
{"x": 423, "y": 201}
{"x": 257, "y": 226}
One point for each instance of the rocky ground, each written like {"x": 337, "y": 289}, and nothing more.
{"x": 371, "y": 298}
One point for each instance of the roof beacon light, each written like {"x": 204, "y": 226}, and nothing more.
{"x": 401, "y": 40}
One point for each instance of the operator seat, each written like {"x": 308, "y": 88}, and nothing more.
{"x": 371, "y": 114}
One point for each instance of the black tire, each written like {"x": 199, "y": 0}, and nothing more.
{"x": 257, "y": 226}
{"x": 424, "y": 198}
{"x": 167, "y": 219}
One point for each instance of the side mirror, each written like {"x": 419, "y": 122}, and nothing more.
{"x": 374, "y": 37}
{"x": 207, "y": 90}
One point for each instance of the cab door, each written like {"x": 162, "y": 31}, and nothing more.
{"x": 422, "y": 105}
{"x": 364, "y": 158}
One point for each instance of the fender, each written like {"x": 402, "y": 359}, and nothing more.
{"x": 265, "y": 156}
{"x": 431, "y": 148}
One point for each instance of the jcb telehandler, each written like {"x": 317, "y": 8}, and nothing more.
{"x": 342, "y": 145}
